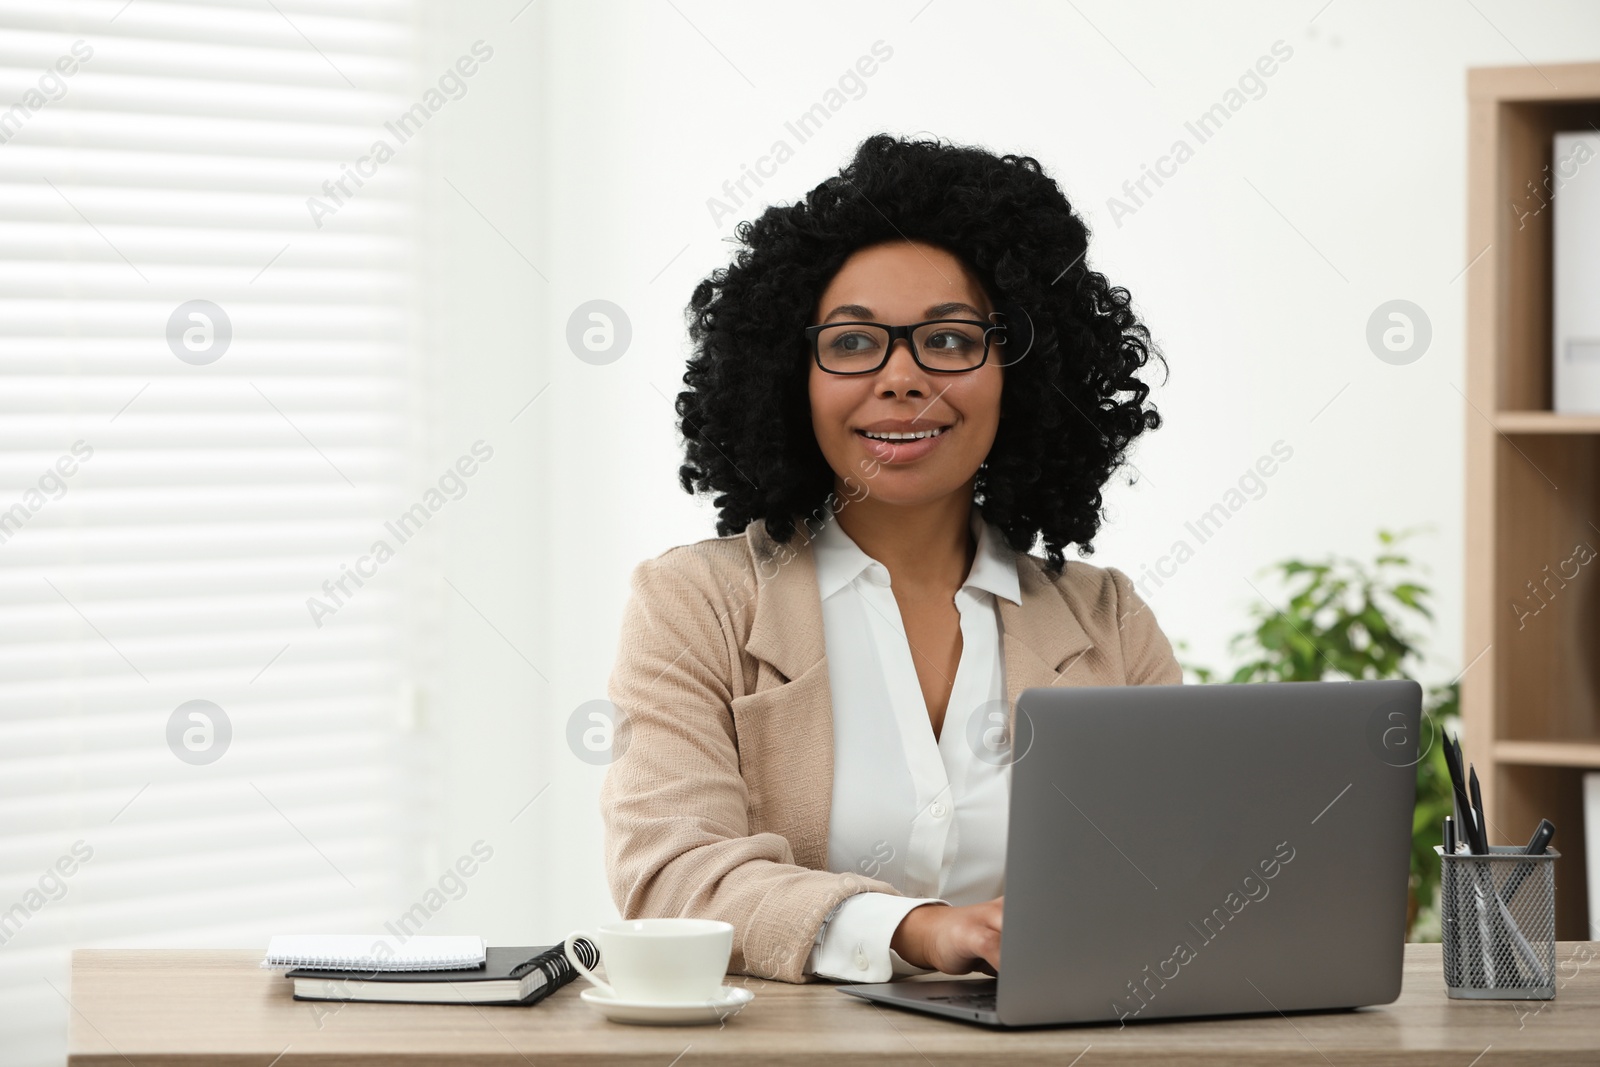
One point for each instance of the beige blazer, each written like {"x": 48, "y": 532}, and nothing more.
{"x": 717, "y": 799}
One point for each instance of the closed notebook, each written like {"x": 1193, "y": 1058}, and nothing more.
{"x": 508, "y": 976}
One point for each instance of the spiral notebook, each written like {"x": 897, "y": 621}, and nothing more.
{"x": 509, "y": 976}
{"x": 374, "y": 952}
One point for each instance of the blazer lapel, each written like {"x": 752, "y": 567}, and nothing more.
{"x": 787, "y": 629}
{"x": 1041, "y": 639}
{"x": 785, "y": 729}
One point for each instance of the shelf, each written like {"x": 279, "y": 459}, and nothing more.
{"x": 1545, "y": 422}
{"x": 1549, "y": 753}
{"x": 1530, "y": 712}
{"x": 1526, "y": 83}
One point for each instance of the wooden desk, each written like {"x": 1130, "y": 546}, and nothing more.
{"x": 148, "y": 1008}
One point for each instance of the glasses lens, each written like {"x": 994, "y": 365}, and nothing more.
{"x": 851, "y": 349}
{"x": 950, "y": 345}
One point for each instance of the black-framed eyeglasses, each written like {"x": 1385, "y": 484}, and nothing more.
{"x": 942, "y": 346}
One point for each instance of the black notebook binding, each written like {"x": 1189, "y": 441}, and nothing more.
{"x": 558, "y": 970}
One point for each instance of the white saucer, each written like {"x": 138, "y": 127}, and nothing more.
{"x": 727, "y": 1002}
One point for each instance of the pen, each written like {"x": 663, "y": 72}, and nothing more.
{"x": 1480, "y": 961}
{"x": 1530, "y": 959}
{"x": 1536, "y": 846}
{"x": 1477, "y": 813}
{"x": 1477, "y": 836}
{"x": 1508, "y": 924}
{"x": 1485, "y": 943}
{"x": 1447, "y": 929}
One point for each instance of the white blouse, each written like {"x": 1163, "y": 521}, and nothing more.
{"x": 927, "y": 816}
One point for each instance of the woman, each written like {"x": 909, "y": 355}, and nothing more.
{"x": 899, "y": 386}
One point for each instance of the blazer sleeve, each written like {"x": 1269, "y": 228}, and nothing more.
{"x": 1147, "y": 655}
{"x": 673, "y": 802}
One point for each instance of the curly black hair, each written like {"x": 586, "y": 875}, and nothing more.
{"x": 1070, "y": 407}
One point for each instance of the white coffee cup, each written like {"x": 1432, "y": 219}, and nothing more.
{"x": 659, "y": 961}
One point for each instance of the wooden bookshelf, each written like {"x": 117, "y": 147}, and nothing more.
{"x": 1530, "y": 703}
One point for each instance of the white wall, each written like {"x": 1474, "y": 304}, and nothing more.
{"x": 484, "y": 701}
{"x": 592, "y": 142}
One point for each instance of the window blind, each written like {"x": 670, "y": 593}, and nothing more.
{"x": 206, "y": 394}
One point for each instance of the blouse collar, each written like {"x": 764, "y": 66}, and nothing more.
{"x": 839, "y": 561}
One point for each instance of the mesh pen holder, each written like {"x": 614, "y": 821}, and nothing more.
{"x": 1497, "y": 919}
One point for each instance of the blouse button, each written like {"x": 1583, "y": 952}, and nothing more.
{"x": 861, "y": 961}
{"x": 938, "y": 810}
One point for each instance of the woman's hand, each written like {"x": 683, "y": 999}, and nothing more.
{"x": 954, "y": 940}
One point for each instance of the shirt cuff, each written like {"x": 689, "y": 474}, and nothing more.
{"x": 854, "y": 943}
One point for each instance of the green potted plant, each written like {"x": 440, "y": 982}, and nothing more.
{"x": 1346, "y": 618}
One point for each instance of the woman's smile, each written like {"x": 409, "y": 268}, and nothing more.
{"x": 905, "y": 449}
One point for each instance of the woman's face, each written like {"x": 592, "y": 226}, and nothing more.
{"x": 901, "y": 282}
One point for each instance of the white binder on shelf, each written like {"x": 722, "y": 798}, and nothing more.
{"x": 1591, "y": 841}
{"x": 1573, "y": 184}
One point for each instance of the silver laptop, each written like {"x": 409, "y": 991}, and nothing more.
{"x": 1190, "y": 850}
